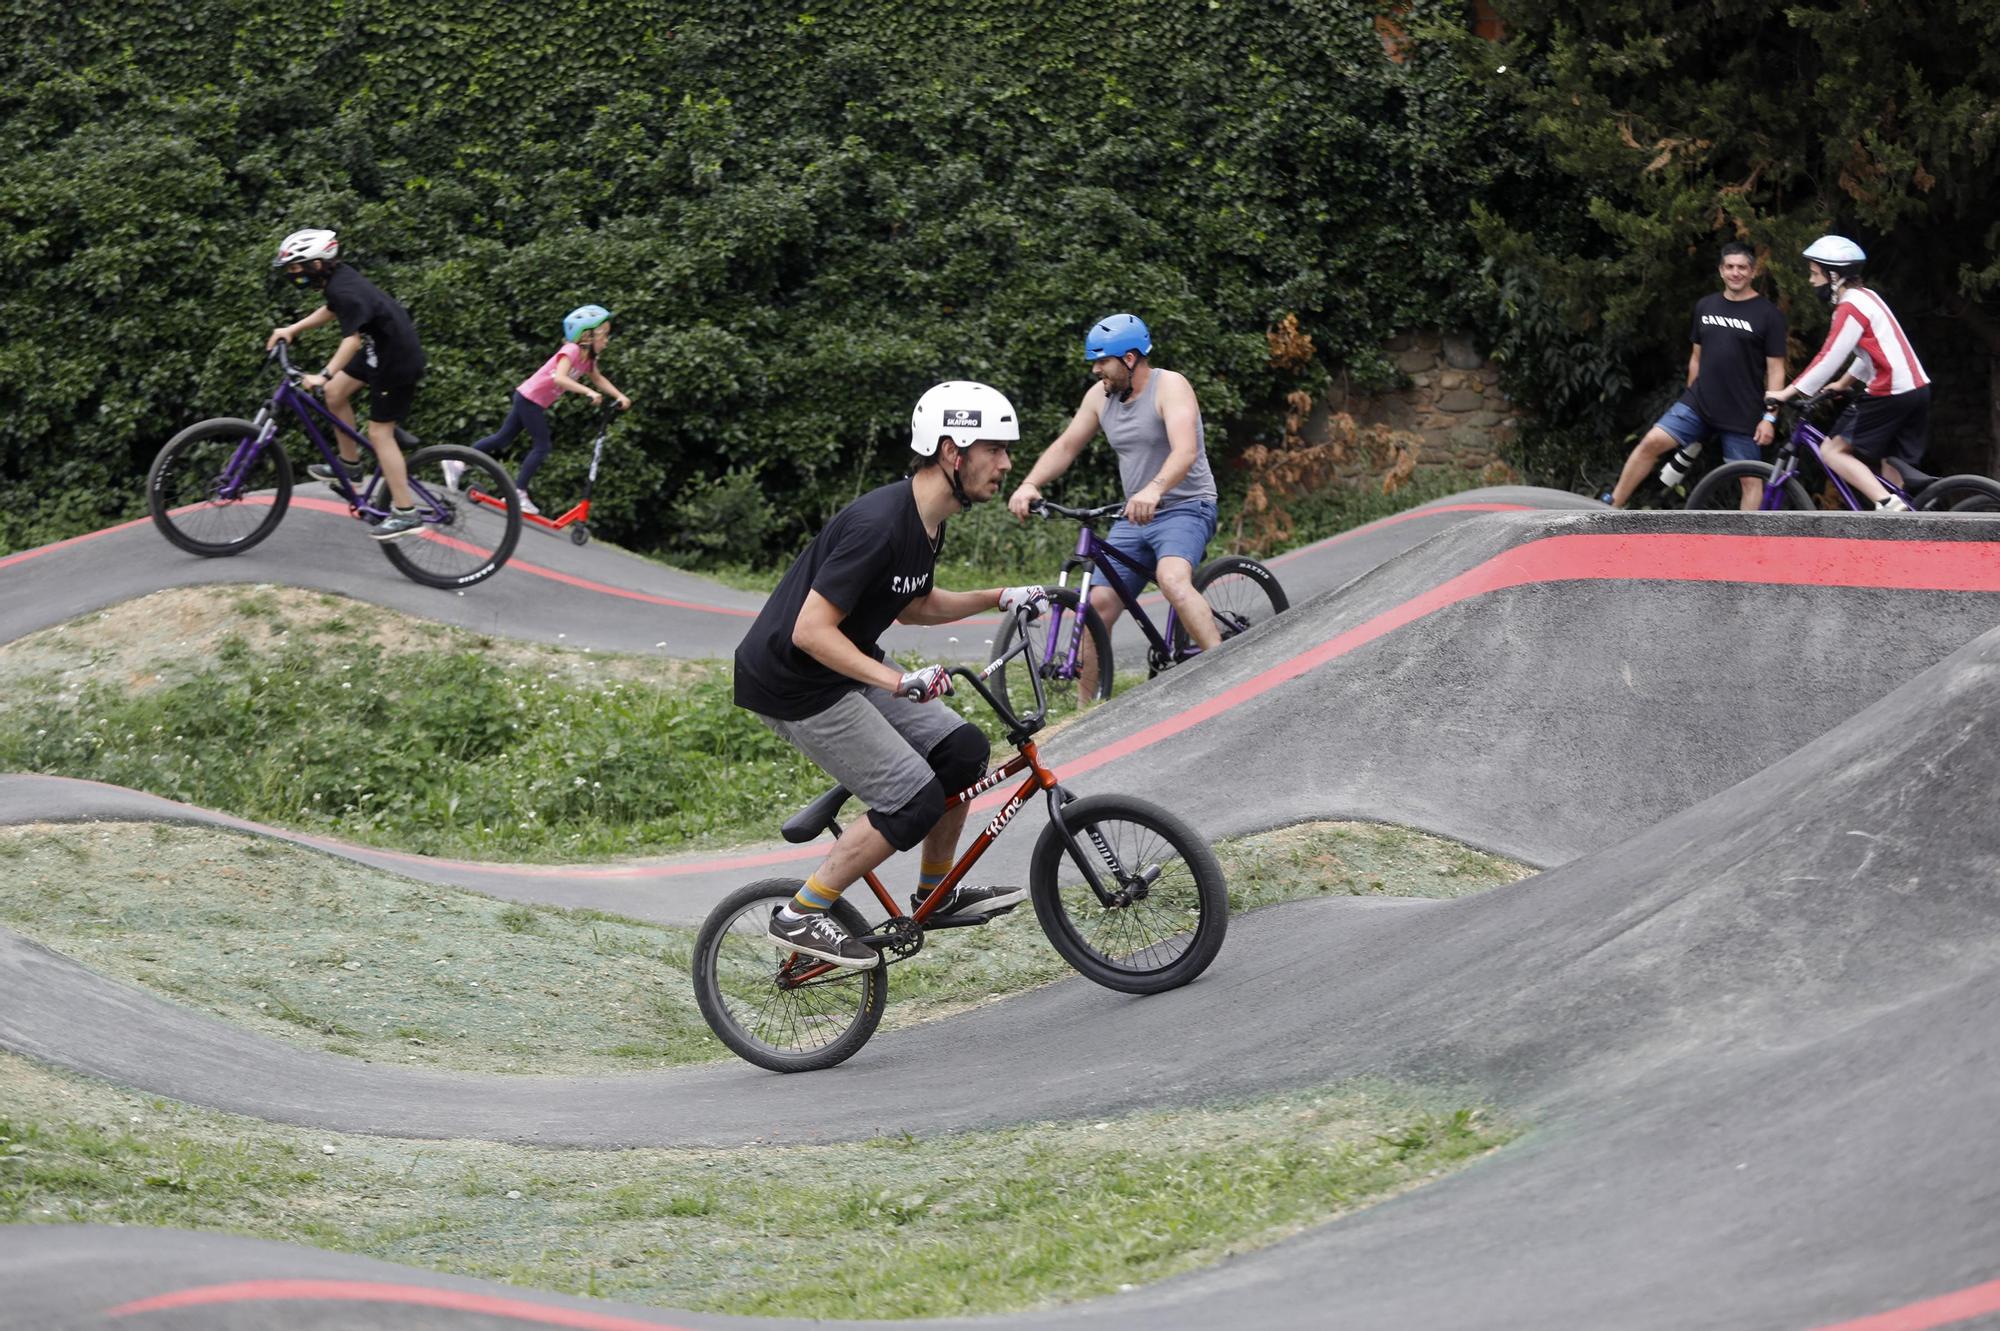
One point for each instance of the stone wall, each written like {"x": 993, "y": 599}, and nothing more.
{"x": 1453, "y": 406}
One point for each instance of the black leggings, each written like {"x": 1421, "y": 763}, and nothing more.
{"x": 528, "y": 416}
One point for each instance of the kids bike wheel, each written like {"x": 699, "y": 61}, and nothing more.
{"x": 1012, "y": 683}
{"x": 739, "y": 984}
{"x": 1169, "y": 907}
{"x": 212, "y": 492}
{"x": 1241, "y": 594}
{"x": 1722, "y": 489}
{"x": 1960, "y": 494}
{"x": 463, "y": 541}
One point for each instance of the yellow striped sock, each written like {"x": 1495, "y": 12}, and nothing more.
{"x": 930, "y": 875}
{"x": 814, "y": 896}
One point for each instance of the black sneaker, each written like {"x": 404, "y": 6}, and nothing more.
{"x": 812, "y": 934}
{"x": 967, "y": 900}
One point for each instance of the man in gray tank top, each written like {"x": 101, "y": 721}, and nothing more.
{"x": 1154, "y": 425}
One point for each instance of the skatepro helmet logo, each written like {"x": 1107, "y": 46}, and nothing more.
{"x": 959, "y": 418}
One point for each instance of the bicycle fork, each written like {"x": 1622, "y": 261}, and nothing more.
{"x": 1131, "y": 886}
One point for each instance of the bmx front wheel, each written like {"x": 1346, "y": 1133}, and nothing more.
{"x": 739, "y": 984}
{"x": 213, "y": 492}
{"x": 1169, "y": 907}
{"x": 1721, "y": 490}
{"x": 462, "y": 541}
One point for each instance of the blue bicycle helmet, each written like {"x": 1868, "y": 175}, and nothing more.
{"x": 582, "y": 319}
{"x": 1116, "y": 334}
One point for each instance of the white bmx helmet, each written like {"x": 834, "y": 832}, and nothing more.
{"x": 305, "y": 246}
{"x": 966, "y": 411}
{"x": 1836, "y": 252}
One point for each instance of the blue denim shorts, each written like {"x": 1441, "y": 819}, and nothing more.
{"x": 1180, "y": 532}
{"x": 1686, "y": 425}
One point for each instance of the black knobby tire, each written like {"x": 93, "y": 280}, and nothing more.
{"x": 1169, "y": 933}
{"x": 1241, "y": 594}
{"x": 1959, "y": 494}
{"x": 1722, "y": 491}
{"x": 813, "y": 1026}
{"x": 1012, "y": 683}
{"x": 185, "y": 494}
{"x": 462, "y": 542}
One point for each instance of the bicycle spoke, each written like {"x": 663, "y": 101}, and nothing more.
{"x": 796, "y": 1020}
{"x": 1151, "y": 932}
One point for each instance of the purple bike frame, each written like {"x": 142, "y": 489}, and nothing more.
{"x": 1785, "y": 466}
{"x": 1092, "y": 551}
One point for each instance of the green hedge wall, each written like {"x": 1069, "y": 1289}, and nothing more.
{"x": 802, "y": 214}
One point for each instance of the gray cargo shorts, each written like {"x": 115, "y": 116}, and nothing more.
{"x": 874, "y": 743}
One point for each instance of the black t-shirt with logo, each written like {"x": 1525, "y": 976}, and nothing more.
{"x": 872, "y": 560}
{"x": 362, "y": 307}
{"x": 1735, "y": 337}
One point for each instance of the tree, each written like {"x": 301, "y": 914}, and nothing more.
{"x": 1670, "y": 127}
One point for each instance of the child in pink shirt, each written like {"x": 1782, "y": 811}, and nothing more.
{"x": 585, "y": 331}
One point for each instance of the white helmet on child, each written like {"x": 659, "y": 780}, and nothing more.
{"x": 970, "y": 413}
{"x": 305, "y": 246}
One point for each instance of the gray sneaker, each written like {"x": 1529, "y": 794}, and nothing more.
{"x": 967, "y": 900}
{"x": 357, "y": 476}
{"x": 812, "y": 934}
{"x": 401, "y": 522}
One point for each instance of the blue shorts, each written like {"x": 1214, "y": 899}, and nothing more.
{"x": 1686, "y": 425}
{"x": 1179, "y": 532}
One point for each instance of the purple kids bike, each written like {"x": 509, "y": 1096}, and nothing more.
{"x": 1240, "y": 592}
{"x": 1722, "y": 488}
{"x": 221, "y": 486}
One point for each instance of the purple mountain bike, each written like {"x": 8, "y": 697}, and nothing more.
{"x": 1241, "y": 593}
{"x": 221, "y": 486}
{"x": 1722, "y": 488}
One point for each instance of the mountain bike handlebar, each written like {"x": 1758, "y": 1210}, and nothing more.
{"x": 1048, "y": 508}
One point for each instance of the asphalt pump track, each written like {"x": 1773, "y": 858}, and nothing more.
{"x": 1748, "y": 1014}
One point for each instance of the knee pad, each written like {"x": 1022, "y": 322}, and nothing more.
{"x": 913, "y": 822}
{"x": 959, "y": 759}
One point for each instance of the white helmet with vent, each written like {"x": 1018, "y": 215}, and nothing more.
{"x": 305, "y": 246}
{"x": 1836, "y": 252}
{"x": 967, "y": 412}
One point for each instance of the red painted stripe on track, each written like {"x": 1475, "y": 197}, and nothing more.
{"x": 569, "y": 579}
{"x": 1767, "y": 560}
{"x": 25, "y": 555}
{"x": 1944, "y": 1310}
{"x": 360, "y": 1291}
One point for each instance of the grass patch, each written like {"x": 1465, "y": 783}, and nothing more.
{"x": 1002, "y": 1221}
{"x": 304, "y": 711}
{"x": 380, "y": 967}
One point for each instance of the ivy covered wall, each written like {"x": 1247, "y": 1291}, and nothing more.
{"x": 802, "y": 214}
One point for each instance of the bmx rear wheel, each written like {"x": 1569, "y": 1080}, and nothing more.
{"x": 739, "y": 984}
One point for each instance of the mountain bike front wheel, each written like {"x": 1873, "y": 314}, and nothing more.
{"x": 1722, "y": 489}
{"x": 462, "y": 541}
{"x": 740, "y": 985}
{"x": 213, "y": 492}
{"x": 1169, "y": 907}
{"x": 1241, "y": 594}
{"x": 1012, "y": 683}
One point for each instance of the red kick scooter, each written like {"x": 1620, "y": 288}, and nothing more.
{"x": 577, "y": 520}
